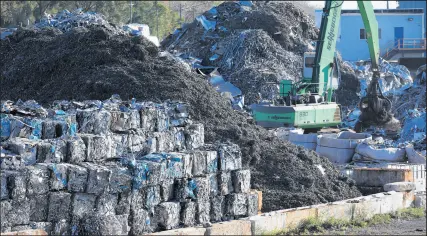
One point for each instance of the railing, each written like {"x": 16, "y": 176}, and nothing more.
{"x": 403, "y": 44}
{"x": 414, "y": 44}
{"x": 391, "y": 46}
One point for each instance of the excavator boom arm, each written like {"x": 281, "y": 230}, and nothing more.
{"x": 326, "y": 46}
{"x": 371, "y": 29}
{"x": 375, "y": 107}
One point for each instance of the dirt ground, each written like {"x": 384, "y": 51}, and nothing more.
{"x": 395, "y": 227}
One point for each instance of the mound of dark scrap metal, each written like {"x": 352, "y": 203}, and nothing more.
{"x": 91, "y": 63}
{"x": 254, "y": 46}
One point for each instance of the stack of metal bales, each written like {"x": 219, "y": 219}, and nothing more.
{"x": 115, "y": 167}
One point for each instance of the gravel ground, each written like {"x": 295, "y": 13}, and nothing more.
{"x": 395, "y": 227}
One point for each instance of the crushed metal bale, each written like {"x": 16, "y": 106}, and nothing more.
{"x": 90, "y": 194}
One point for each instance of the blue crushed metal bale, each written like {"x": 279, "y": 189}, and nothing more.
{"x": 109, "y": 171}
{"x": 77, "y": 178}
{"x": 188, "y": 214}
{"x": 58, "y": 176}
{"x": 167, "y": 215}
{"x": 25, "y": 148}
{"x": 83, "y": 205}
{"x": 59, "y": 206}
{"x": 230, "y": 157}
{"x": 39, "y": 205}
{"x": 38, "y": 177}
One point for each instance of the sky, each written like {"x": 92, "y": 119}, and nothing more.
{"x": 353, "y": 4}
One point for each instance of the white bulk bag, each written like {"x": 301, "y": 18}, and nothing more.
{"x": 368, "y": 152}
{"x": 340, "y": 150}
{"x": 308, "y": 141}
{"x": 414, "y": 156}
{"x": 283, "y": 133}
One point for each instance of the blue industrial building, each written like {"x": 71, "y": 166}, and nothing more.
{"x": 401, "y": 32}
{"x": 414, "y": 5}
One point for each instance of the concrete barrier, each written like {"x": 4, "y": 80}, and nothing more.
{"x": 27, "y": 232}
{"x": 183, "y": 231}
{"x": 308, "y": 141}
{"x": 259, "y": 193}
{"x": 268, "y": 222}
{"x": 408, "y": 199}
{"x": 340, "y": 210}
{"x": 234, "y": 227}
{"x": 295, "y": 216}
{"x": 364, "y": 207}
{"x": 378, "y": 177}
{"x": 400, "y": 186}
{"x": 420, "y": 201}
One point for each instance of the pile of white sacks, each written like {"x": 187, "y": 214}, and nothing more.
{"x": 346, "y": 147}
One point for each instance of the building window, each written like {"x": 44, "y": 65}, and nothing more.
{"x": 363, "y": 33}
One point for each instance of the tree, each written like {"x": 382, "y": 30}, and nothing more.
{"x": 116, "y": 12}
{"x": 42, "y": 7}
{"x": 188, "y": 10}
{"x": 158, "y": 17}
{"x": 161, "y": 17}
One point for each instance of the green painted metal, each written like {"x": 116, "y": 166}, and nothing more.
{"x": 302, "y": 116}
{"x": 286, "y": 87}
{"x": 371, "y": 29}
{"x": 325, "y": 48}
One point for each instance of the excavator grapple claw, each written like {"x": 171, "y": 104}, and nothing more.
{"x": 375, "y": 109}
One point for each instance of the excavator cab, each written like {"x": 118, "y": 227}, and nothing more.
{"x": 333, "y": 77}
{"x": 307, "y": 71}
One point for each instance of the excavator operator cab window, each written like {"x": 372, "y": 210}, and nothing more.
{"x": 309, "y": 62}
{"x": 308, "y": 65}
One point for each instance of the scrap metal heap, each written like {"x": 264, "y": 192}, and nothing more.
{"x": 115, "y": 167}
{"x": 397, "y": 86}
{"x": 104, "y": 63}
{"x": 93, "y": 63}
{"x": 66, "y": 21}
{"x": 253, "y": 45}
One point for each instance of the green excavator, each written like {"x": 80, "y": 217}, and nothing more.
{"x": 309, "y": 104}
